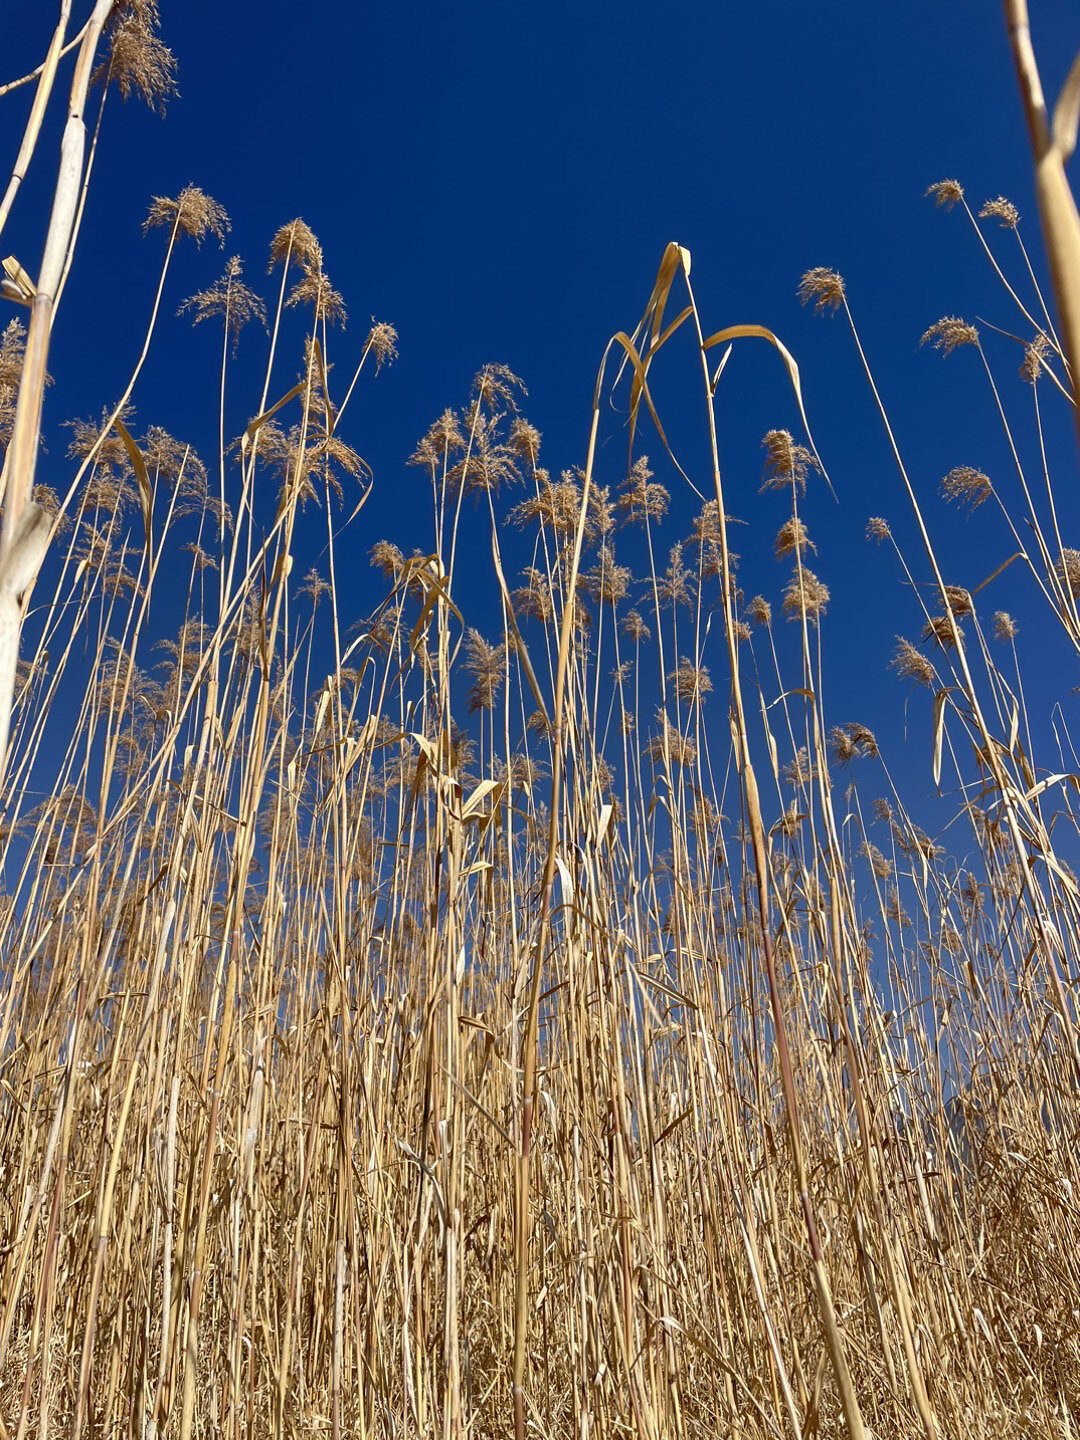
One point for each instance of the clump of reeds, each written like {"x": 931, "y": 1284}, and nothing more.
{"x": 454, "y": 1023}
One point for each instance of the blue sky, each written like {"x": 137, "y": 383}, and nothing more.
{"x": 499, "y": 182}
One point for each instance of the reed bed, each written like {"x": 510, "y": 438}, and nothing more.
{"x": 454, "y": 1024}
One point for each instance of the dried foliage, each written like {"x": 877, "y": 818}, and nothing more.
{"x": 391, "y": 1018}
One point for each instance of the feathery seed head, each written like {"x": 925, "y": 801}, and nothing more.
{"x": 49, "y": 501}
{"x": 851, "y": 742}
{"x": 707, "y": 525}
{"x": 524, "y": 439}
{"x": 523, "y": 772}
{"x": 938, "y": 629}
{"x": 877, "y": 529}
{"x": 12, "y": 349}
{"x": 706, "y": 821}
{"x": 878, "y": 863}
{"x": 912, "y": 664}
{"x": 192, "y": 213}
{"x": 673, "y": 587}
{"x": 484, "y": 662}
{"x": 967, "y": 486}
{"x": 382, "y": 337}
{"x": 228, "y": 297}
{"x": 801, "y": 770}
{"x": 296, "y": 243}
{"x": 201, "y": 559}
{"x": 386, "y": 556}
{"x": 314, "y": 587}
{"x": 786, "y": 464}
{"x": 671, "y": 744}
{"x": 581, "y": 618}
{"x": 1067, "y": 570}
{"x": 895, "y": 909}
{"x": 489, "y": 462}
{"x": 1034, "y": 362}
{"x": 533, "y": 599}
{"x": 792, "y": 539}
{"x": 169, "y": 458}
{"x": 634, "y": 626}
{"x": 601, "y": 517}
{"x": 805, "y": 596}
{"x": 642, "y": 499}
{"x": 948, "y": 333}
{"x": 606, "y": 583}
{"x": 960, "y": 600}
{"x": 824, "y": 287}
{"x": 946, "y": 193}
{"x": 555, "y": 504}
{"x": 1003, "y": 210}
{"x": 691, "y": 682}
{"x": 707, "y": 528}
{"x": 1005, "y": 627}
{"x": 443, "y": 439}
{"x": 315, "y": 287}
{"x": 759, "y": 610}
{"x": 789, "y": 822}
{"x": 137, "y": 60}
{"x": 90, "y": 437}
{"x": 495, "y": 385}
{"x": 914, "y": 841}
{"x": 711, "y": 561}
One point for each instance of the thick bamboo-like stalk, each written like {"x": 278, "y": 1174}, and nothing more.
{"x": 37, "y": 112}
{"x": 1053, "y": 140}
{"x": 23, "y": 535}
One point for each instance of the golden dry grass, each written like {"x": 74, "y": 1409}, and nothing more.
{"x": 439, "y": 1041}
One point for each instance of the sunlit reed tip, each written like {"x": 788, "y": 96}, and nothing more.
{"x": 946, "y": 193}
{"x": 948, "y": 333}
{"x": 822, "y": 286}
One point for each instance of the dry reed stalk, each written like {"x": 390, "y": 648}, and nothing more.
{"x": 46, "y": 77}
{"x": 1052, "y": 143}
{"x": 25, "y": 528}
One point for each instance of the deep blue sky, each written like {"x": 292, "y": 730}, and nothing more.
{"x": 499, "y": 182}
